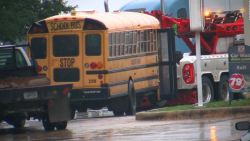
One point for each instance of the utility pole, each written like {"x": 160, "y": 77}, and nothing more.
{"x": 196, "y": 25}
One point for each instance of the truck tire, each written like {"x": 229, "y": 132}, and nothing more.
{"x": 207, "y": 89}
{"x": 61, "y": 125}
{"x": 131, "y": 99}
{"x": 223, "y": 88}
{"x": 18, "y": 123}
{"x": 48, "y": 126}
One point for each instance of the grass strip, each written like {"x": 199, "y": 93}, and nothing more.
{"x": 214, "y": 104}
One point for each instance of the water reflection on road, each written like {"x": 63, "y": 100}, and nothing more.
{"x": 128, "y": 129}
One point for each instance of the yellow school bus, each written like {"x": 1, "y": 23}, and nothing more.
{"x": 111, "y": 58}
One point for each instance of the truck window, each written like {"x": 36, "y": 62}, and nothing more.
{"x": 7, "y": 59}
{"x": 20, "y": 60}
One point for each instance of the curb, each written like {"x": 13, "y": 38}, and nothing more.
{"x": 209, "y": 113}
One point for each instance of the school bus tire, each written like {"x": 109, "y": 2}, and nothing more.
{"x": 131, "y": 99}
{"x": 118, "y": 106}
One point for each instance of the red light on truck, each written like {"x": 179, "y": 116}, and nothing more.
{"x": 65, "y": 91}
{"x": 188, "y": 73}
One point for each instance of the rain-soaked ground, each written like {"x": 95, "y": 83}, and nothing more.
{"x": 128, "y": 129}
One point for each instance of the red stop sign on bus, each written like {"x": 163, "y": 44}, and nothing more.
{"x": 236, "y": 82}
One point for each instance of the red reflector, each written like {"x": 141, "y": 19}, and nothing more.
{"x": 93, "y": 65}
{"x": 65, "y": 91}
{"x": 39, "y": 68}
{"x": 188, "y": 73}
{"x": 100, "y": 76}
{"x": 99, "y": 65}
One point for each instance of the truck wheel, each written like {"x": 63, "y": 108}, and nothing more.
{"x": 118, "y": 106}
{"x": 61, "y": 125}
{"x": 18, "y": 123}
{"x": 131, "y": 98}
{"x": 48, "y": 126}
{"x": 207, "y": 89}
{"x": 223, "y": 88}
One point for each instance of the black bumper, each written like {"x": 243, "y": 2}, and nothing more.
{"x": 92, "y": 94}
{"x": 32, "y": 94}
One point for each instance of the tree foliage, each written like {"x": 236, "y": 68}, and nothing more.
{"x": 16, "y": 16}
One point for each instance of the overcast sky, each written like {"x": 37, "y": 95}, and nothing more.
{"x": 97, "y": 4}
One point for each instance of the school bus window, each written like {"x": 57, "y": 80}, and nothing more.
{"x": 38, "y": 48}
{"x": 110, "y": 45}
{"x": 147, "y": 41}
{"x": 151, "y": 40}
{"x": 125, "y": 49}
{"x": 155, "y": 43}
{"x": 134, "y": 42}
{"x": 142, "y": 42}
{"x": 122, "y": 42}
{"x": 93, "y": 44}
{"x": 138, "y": 43}
{"x": 118, "y": 44}
{"x": 69, "y": 75}
{"x": 110, "y": 50}
{"x": 65, "y": 45}
{"x": 117, "y": 49}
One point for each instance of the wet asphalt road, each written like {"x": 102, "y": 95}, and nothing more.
{"x": 128, "y": 129}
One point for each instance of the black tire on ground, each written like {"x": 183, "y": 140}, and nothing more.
{"x": 48, "y": 126}
{"x": 223, "y": 88}
{"x": 153, "y": 99}
{"x": 207, "y": 89}
{"x": 118, "y": 113}
{"x": 61, "y": 125}
{"x": 18, "y": 123}
{"x": 72, "y": 112}
{"x": 131, "y": 99}
{"x": 118, "y": 106}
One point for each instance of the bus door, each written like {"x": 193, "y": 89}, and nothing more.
{"x": 40, "y": 53}
{"x": 93, "y": 49}
{"x": 66, "y": 58}
{"x": 167, "y": 68}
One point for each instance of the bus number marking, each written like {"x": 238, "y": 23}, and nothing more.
{"x": 92, "y": 81}
{"x": 67, "y": 62}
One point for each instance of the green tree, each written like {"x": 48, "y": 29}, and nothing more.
{"x": 16, "y": 16}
